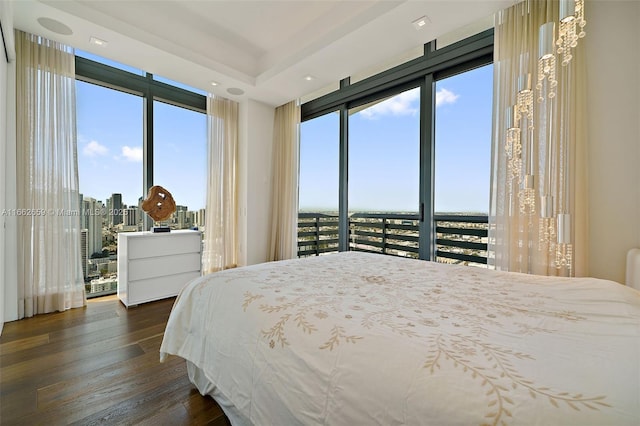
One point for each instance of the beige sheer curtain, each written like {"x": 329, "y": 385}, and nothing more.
{"x": 220, "y": 235}
{"x": 284, "y": 200}
{"x": 538, "y": 211}
{"x": 49, "y": 259}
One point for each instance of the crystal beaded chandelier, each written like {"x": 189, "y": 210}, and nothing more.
{"x": 572, "y": 25}
{"x": 541, "y": 156}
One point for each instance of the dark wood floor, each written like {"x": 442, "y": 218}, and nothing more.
{"x": 97, "y": 365}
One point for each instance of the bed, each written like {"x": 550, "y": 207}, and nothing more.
{"x": 363, "y": 339}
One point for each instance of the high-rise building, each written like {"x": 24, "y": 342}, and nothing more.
{"x": 83, "y": 251}
{"x": 80, "y": 203}
{"x": 115, "y": 209}
{"x": 179, "y": 217}
{"x": 190, "y": 218}
{"x": 91, "y": 220}
{"x": 200, "y": 218}
{"x": 107, "y": 217}
{"x": 131, "y": 216}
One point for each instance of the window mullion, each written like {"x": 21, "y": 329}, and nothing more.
{"x": 427, "y": 247}
{"x": 147, "y": 147}
{"x": 343, "y": 193}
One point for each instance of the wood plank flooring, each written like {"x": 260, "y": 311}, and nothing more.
{"x": 97, "y": 365}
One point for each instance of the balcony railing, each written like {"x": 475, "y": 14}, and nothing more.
{"x": 317, "y": 234}
{"x": 459, "y": 238}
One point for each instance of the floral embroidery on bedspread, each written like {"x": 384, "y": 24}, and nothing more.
{"x": 454, "y": 311}
{"x": 473, "y": 355}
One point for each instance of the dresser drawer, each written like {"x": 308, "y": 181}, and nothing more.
{"x": 158, "y": 288}
{"x": 153, "y": 267}
{"x": 156, "y": 245}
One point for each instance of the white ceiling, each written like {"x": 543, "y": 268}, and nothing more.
{"x": 263, "y": 47}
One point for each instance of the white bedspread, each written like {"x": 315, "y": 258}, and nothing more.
{"x": 364, "y": 339}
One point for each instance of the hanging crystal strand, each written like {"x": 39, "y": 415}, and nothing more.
{"x": 571, "y": 29}
{"x": 547, "y": 230}
{"x": 513, "y": 148}
{"x": 553, "y": 166}
{"x": 546, "y": 62}
{"x": 526, "y": 196}
{"x": 525, "y": 96}
{"x": 546, "y": 226}
{"x": 564, "y": 246}
{"x": 546, "y": 94}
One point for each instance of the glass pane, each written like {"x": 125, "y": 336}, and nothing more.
{"x": 109, "y": 125}
{"x": 318, "y": 185}
{"x": 463, "y": 159}
{"x": 384, "y": 175}
{"x": 180, "y": 161}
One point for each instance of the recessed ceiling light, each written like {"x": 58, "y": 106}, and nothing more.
{"x": 214, "y": 83}
{"x": 421, "y": 22}
{"x": 55, "y": 26}
{"x": 309, "y": 77}
{"x": 235, "y": 91}
{"x": 98, "y": 42}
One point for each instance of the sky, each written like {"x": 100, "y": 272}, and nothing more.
{"x": 384, "y": 151}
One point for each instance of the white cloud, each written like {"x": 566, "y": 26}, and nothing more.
{"x": 406, "y": 103}
{"x": 444, "y": 96}
{"x": 94, "y": 149}
{"x": 132, "y": 154}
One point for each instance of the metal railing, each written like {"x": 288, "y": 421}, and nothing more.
{"x": 387, "y": 233}
{"x": 317, "y": 234}
{"x": 462, "y": 238}
{"x": 459, "y": 238}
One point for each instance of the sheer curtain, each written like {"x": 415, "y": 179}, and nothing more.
{"x": 284, "y": 200}
{"x": 220, "y": 237}
{"x": 49, "y": 258}
{"x": 538, "y": 210}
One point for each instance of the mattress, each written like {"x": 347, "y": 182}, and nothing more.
{"x": 356, "y": 338}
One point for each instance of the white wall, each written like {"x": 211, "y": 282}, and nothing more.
{"x": 254, "y": 205}
{"x": 613, "y": 67}
{"x": 3, "y": 143}
{"x": 11, "y": 232}
{"x": 8, "y": 236}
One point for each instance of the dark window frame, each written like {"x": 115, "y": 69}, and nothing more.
{"x": 423, "y": 72}
{"x": 151, "y": 90}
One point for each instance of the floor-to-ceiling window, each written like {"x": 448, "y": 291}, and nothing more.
{"x": 109, "y": 135}
{"x": 462, "y": 163}
{"x": 318, "y": 190}
{"x": 384, "y": 175}
{"x": 414, "y": 149}
{"x": 134, "y": 131}
{"x": 180, "y": 161}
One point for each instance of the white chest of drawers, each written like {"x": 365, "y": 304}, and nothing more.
{"x": 154, "y": 266}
